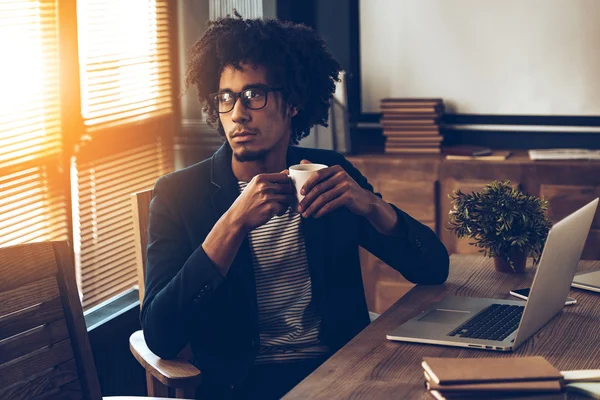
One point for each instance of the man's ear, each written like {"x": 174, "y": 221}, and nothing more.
{"x": 293, "y": 110}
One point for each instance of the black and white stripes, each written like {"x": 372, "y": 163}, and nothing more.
{"x": 288, "y": 323}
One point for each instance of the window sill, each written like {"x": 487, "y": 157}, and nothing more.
{"x": 111, "y": 309}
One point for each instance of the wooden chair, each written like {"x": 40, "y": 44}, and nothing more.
{"x": 172, "y": 378}
{"x": 44, "y": 348}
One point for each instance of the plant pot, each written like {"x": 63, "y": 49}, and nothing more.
{"x": 519, "y": 259}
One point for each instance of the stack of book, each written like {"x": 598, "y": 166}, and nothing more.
{"x": 504, "y": 378}
{"x": 412, "y": 125}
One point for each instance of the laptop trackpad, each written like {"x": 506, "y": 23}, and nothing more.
{"x": 444, "y": 316}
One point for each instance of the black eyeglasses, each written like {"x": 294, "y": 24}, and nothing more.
{"x": 253, "y": 98}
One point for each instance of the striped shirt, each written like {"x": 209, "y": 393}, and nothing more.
{"x": 288, "y": 323}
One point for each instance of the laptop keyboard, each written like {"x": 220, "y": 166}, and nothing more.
{"x": 495, "y": 322}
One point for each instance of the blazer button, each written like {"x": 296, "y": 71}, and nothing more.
{"x": 208, "y": 288}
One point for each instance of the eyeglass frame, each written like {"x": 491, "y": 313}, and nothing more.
{"x": 238, "y": 96}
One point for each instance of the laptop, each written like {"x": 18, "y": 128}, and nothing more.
{"x": 587, "y": 281}
{"x": 503, "y": 325}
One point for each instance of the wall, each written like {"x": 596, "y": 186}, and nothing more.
{"x": 514, "y": 57}
{"x": 514, "y": 74}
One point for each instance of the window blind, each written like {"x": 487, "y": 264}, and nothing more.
{"x": 124, "y": 51}
{"x": 129, "y": 117}
{"x": 33, "y": 205}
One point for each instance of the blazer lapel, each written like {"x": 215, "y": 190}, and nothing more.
{"x": 241, "y": 273}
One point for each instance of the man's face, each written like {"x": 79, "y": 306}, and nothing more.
{"x": 252, "y": 134}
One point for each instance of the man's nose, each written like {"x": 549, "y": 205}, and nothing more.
{"x": 240, "y": 113}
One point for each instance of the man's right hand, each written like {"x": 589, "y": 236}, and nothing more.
{"x": 265, "y": 196}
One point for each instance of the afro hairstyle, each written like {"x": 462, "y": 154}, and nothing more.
{"x": 293, "y": 55}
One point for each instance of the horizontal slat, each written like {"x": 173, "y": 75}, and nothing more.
{"x": 114, "y": 87}
{"x": 27, "y": 295}
{"x": 32, "y": 108}
{"x": 49, "y": 207}
{"x": 106, "y": 168}
{"x": 123, "y": 62}
{"x": 26, "y": 236}
{"x": 32, "y": 340}
{"x": 121, "y": 189}
{"x": 96, "y": 256}
{"x": 114, "y": 275}
{"x": 98, "y": 55}
{"x": 31, "y": 317}
{"x": 19, "y": 370}
{"x": 32, "y": 232}
{"x": 120, "y": 118}
{"x": 30, "y": 183}
{"x": 144, "y": 91}
{"x": 92, "y": 252}
{"x": 22, "y": 204}
{"x": 103, "y": 77}
{"x": 118, "y": 260}
{"x": 130, "y": 120}
{"x": 43, "y": 384}
{"x": 105, "y": 219}
{"x": 133, "y": 108}
{"x": 96, "y": 44}
{"x": 42, "y": 221}
{"x": 30, "y": 129}
{"x": 101, "y": 294}
{"x": 33, "y": 264}
{"x": 121, "y": 258}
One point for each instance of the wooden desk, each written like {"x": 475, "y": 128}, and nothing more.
{"x": 372, "y": 367}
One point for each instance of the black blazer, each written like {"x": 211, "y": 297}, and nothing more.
{"x": 188, "y": 301}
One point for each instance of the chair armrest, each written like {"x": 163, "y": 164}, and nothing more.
{"x": 176, "y": 373}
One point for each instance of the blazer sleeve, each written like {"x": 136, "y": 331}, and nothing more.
{"x": 180, "y": 281}
{"x": 412, "y": 249}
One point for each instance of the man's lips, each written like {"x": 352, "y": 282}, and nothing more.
{"x": 244, "y": 136}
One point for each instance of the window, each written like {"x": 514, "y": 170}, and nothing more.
{"x": 76, "y": 148}
{"x": 33, "y": 201}
{"x": 128, "y": 122}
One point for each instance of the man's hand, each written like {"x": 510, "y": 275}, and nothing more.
{"x": 265, "y": 196}
{"x": 330, "y": 188}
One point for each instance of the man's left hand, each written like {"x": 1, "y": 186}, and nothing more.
{"x": 330, "y": 188}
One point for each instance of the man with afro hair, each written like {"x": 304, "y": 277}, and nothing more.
{"x": 263, "y": 289}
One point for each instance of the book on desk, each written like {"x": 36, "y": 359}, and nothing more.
{"x": 447, "y": 378}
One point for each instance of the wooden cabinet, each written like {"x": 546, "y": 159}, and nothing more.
{"x": 567, "y": 185}
{"x": 420, "y": 186}
{"x": 410, "y": 183}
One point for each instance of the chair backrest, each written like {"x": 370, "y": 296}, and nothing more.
{"x": 44, "y": 347}
{"x": 140, "y": 202}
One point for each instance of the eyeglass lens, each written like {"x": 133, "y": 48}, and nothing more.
{"x": 253, "y": 99}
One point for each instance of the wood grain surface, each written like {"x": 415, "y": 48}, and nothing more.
{"x": 372, "y": 367}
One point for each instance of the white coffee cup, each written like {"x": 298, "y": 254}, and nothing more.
{"x": 300, "y": 173}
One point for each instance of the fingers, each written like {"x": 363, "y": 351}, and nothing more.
{"x": 326, "y": 202}
{"x": 318, "y": 190}
{"x": 330, "y": 206}
{"x": 272, "y": 183}
{"x": 321, "y": 175}
{"x": 276, "y": 188}
{"x": 279, "y": 204}
{"x": 305, "y": 162}
{"x": 285, "y": 199}
{"x": 274, "y": 178}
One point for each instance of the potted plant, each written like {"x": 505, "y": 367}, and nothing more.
{"x": 504, "y": 223}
